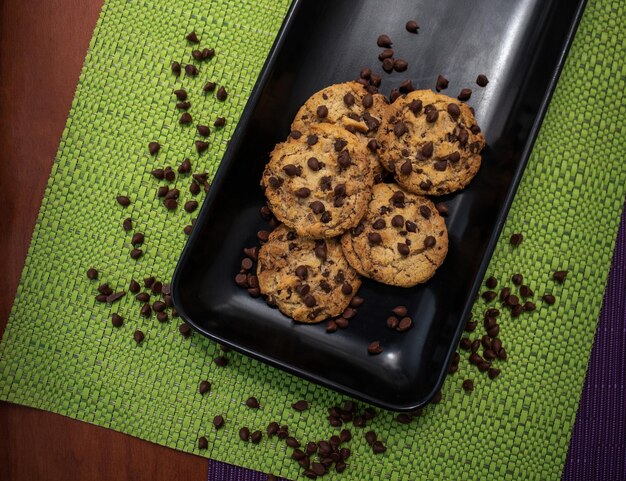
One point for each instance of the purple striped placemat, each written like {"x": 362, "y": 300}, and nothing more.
{"x": 597, "y": 450}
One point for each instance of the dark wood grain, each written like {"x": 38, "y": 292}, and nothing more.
{"x": 42, "y": 47}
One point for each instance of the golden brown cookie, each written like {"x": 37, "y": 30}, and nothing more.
{"x": 431, "y": 143}
{"x": 308, "y": 280}
{"x": 318, "y": 182}
{"x": 401, "y": 241}
{"x": 351, "y": 106}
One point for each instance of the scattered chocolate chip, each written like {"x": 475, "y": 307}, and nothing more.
{"x": 493, "y": 372}
{"x": 504, "y": 293}
{"x": 204, "y": 387}
{"x": 136, "y": 254}
{"x": 183, "y": 105}
{"x": 406, "y": 86}
{"x": 184, "y": 329}
{"x": 388, "y": 65}
{"x": 191, "y": 70}
{"x": 482, "y": 80}
{"x": 123, "y": 200}
{"x": 526, "y": 291}
{"x": 412, "y": 26}
{"x": 244, "y": 434}
{"x": 378, "y": 447}
{"x": 529, "y": 306}
{"x": 384, "y": 41}
{"x": 117, "y": 320}
{"x": 548, "y": 299}
{"x": 465, "y": 94}
{"x": 127, "y": 224}
{"x": 516, "y": 239}
{"x": 442, "y": 83}
{"x": 517, "y": 279}
{"x": 201, "y": 146}
{"x": 190, "y": 206}
{"x": 400, "y": 65}
{"x": 374, "y": 348}
{"x": 138, "y": 336}
{"x": 176, "y": 68}
{"x": 491, "y": 282}
{"x": 256, "y": 437}
{"x": 221, "y": 94}
{"x": 559, "y": 276}
{"x": 300, "y": 405}
{"x": 405, "y": 324}
{"x": 468, "y": 385}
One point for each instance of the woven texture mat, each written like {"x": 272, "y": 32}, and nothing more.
{"x": 60, "y": 352}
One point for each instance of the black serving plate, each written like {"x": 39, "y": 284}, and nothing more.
{"x": 520, "y": 45}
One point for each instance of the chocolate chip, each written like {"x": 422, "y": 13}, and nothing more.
{"x": 208, "y": 53}
{"x": 322, "y": 111}
{"x": 311, "y": 140}
{"x": 432, "y": 115}
{"x": 465, "y": 94}
{"x": 221, "y": 94}
{"x": 493, "y": 331}
{"x": 559, "y": 276}
{"x": 482, "y": 80}
{"x": 374, "y": 348}
{"x": 516, "y": 239}
{"x": 204, "y": 387}
{"x": 176, "y": 68}
{"x": 504, "y": 293}
{"x": 344, "y": 159}
{"x": 403, "y": 249}
{"x": 191, "y": 70}
{"x": 346, "y": 289}
{"x": 138, "y": 336}
{"x": 406, "y": 168}
{"x": 388, "y": 65}
{"x": 429, "y": 242}
{"x": 365, "y": 73}
{"x": 400, "y": 65}
{"x": 378, "y": 447}
{"x": 491, "y": 282}
{"x": 405, "y": 324}
{"x": 209, "y": 87}
{"x": 384, "y": 41}
{"x": 183, "y": 105}
{"x": 123, "y": 200}
{"x": 184, "y": 329}
{"x": 192, "y": 37}
{"x": 374, "y": 238}
{"x": 397, "y": 221}
{"x": 136, "y": 253}
{"x": 411, "y": 26}
{"x": 406, "y": 86}
{"x": 300, "y": 405}
{"x": 201, "y": 146}
{"x": 526, "y": 291}
{"x": 442, "y": 83}
{"x": 302, "y": 192}
{"x": 349, "y": 99}
{"x": 548, "y": 299}
{"x": 244, "y": 434}
{"x": 379, "y": 224}
{"x": 385, "y": 54}
{"x": 400, "y": 129}
{"x": 468, "y": 385}
{"x": 321, "y": 251}
{"x": 426, "y": 185}
{"x": 415, "y": 106}
{"x": 517, "y": 279}
{"x": 256, "y": 437}
{"x": 317, "y": 207}
{"x": 394, "y": 95}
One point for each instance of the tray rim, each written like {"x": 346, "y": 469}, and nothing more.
{"x": 501, "y": 217}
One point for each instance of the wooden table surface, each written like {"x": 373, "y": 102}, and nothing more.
{"x": 42, "y": 47}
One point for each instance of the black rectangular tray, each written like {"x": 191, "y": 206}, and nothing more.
{"x": 520, "y": 45}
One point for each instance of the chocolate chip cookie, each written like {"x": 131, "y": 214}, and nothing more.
{"x": 431, "y": 143}
{"x": 308, "y": 280}
{"x": 401, "y": 241}
{"x": 351, "y": 106}
{"x": 319, "y": 181}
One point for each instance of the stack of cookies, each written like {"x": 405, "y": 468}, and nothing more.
{"x": 340, "y": 218}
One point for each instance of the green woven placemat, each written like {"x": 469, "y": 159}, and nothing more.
{"x": 60, "y": 352}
